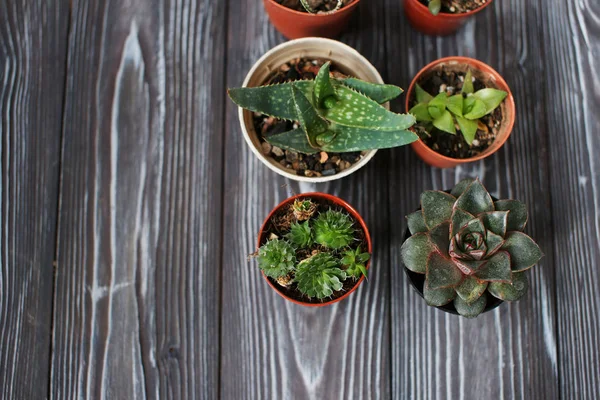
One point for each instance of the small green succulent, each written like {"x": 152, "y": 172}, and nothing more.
{"x": 465, "y": 109}
{"x": 354, "y": 261}
{"x": 303, "y": 209}
{"x": 469, "y": 246}
{"x": 276, "y": 258}
{"x": 300, "y": 234}
{"x": 311, "y": 10}
{"x": 435, "y": 6}
{"x": 319, "y": 276}
{"x": 333, "y": 229}
{"x": 335, "y": 115}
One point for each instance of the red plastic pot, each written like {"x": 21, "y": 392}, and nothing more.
{"x": 423, "y": 20}
{"x": 295, "y": 24}
{"x": 262, "y": 238}
{"x": 483, "y": 72}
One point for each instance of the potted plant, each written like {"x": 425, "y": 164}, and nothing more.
{"x": 306, "y": 18}
{"x": 321, "y": 112}
{"x": 441, "y": 17}
{"x": 314, "y": 249}
{"x": 464, "y": 110}
{"x": 465, "y": 252}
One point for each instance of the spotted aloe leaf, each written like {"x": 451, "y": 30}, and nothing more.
{"x": 378, "y": 92}
{"x": 323, "y": 88}
{"x": 294, "y": 140}
{"x": 347, "y": 138}
{"x": 312, "y": 124}
{"x": 470, "y": 310}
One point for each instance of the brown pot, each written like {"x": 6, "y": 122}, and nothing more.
{"x": 262, "y": 238}
{"x": 295, "y": 24}
{"x": 484, "y": 73}
{"x": 423, "y": 20}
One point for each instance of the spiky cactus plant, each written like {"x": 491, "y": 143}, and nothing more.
{"x": 469, "y": 246}
{"x": 320, "y": 275}
{"x": 277, "y": 258}
{"x": 335, "y": 115}
{"x": 300, "y": 234}
{"x": 333, "y": 229}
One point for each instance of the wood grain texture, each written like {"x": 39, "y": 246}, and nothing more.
{"x": 271, "y": 348}
{"x": 137, "y": 290}
{"x": 32, "y": 69}
{"x": 571, "y": 33}
{"x": 512, "y": 351}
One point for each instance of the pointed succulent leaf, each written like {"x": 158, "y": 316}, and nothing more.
{"x": 470, "y": 310}
{"x": 494, "y": 243}
{"x": 510, "y": 291}
{"x": 491, "y": 98}
{"x": 468, "y": 83}
{"x": 437, "y": 105}
{"x": 460, "y": 218}
{"x": 421, "y": 112}
{"x": 468, "y": 129}
{"x": 476, "y": 110}
{"x": 497, "y": 268}
{"x": 475, "y": 199}
{"x": 470, "y": 267}
{"x": 438, "y": 297}
{"x": 437, "y": 207}
{"x": 415, "y": 252}
{"x": 273, "y": 100}
{"x": 442, "y": 272}
{"x": 416, "y": 222}
{"x": 524, "y": 252}
{"x": 312, "y": 124}
{"x": 461, "y": 187}
{"x": 295, "y": 140}
{"x": 349, "y": 138}
{"x": 422, "y": 95}
{"x": 445, "y": 122}
{"x": 325, "y": 138}
{"x": 378, "y": 92}
{"x": 455, "y": 104}
{"x": 517, "y": 216}
{"x": 474, "y": 225}
{"x": 435, "y": 6}
{"x": 323, "y": 86}
{"x": 495, "y": 221}
{"x": 471, "y": 289}
{"x": 440, "y": 237}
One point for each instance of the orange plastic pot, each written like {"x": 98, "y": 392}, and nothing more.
{"x": 421, "y": 18}
{"x": 262, "y": 238}
{"x": 295, "y": 24}
{"x": 484, "y": 73}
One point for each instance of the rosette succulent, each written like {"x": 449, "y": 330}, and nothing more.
{"x": 333, "y": 229}
{"x": 469, "y": 246}
{"x": 277, "y": 258}
{"x": 320, "y": 275}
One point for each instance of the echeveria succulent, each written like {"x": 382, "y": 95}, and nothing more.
{"x": 335, "y": 115}
{"x": 469, "y": 246}
{"x": 333, "y": 229}
{"x": 319, "y": 276}
{"x": 277, "y": 258}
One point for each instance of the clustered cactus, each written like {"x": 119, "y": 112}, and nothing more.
{"x": 326, "y": 243}
{"x": 469, "y": 246}
{"x": 465, "y": 109}
{"x": 334, "y": 115}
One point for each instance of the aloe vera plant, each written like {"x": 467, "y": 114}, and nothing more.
{"x": 334, "y": 115}
{"x": 445, "y": 112}
{"x": 469, "y": 247}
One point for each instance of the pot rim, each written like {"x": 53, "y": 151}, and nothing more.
{"x": 351, "y": 210}
{"x": 451, "y": 15}
{"x": 349, "y": 6}
{"x": 484, "y": 68}
{"x": 307, "y": 42}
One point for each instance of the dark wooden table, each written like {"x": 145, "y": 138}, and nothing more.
{"x": 129, "y": 201}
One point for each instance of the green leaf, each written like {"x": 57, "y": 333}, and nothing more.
{"x": 435, "y": 6}
{"x": 470, "y": 267}
{"x": 442, "y": 272}
{"x": 460, "y": 218}
{"x": 437, "y": 207}
{"x": 524, "y": 252}
{"x": 468, "y": 83}
{"x": 474, "y": 225}
{"x": 362, "y": 269}
{"x": 437, "y": 105}
{"x": 358, "y": 139}
{"x": 461, "y": 187}
{"x": 440, "y": 237}
{"x": 378, "y": 92}
{"x": 470, "y": 310}
{"x": 471, "y": 289}
{"x": 309, "y": 119}
{"x": 455, "y": 104}
{"x": 421, "y": 112}
{"x": 475, "y": 199}
{"x": 494, "y": 242}
{"x": 510, "y": 291}
{"x": 476, "y": 110}
{"x": 294, "y": 140}
{"x": 497, "y": 269}
{"x": 445, "y": 122}
{"x": 422, "y": 95}
{"x": 415, "y": 252}
{"x": 491, "y": 98}
{"x": 517, "y": 216}
{"x": 323, "y": 87}
{"x": 416, "y": 222}
{"x": 495, "y": 221}
{"x": 274, "y": 100}
{"x": 438, "y": 297}
{"x": 468, "y": 129}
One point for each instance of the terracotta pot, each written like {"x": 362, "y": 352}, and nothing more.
{"x": 295, "y": 24}
{"x": 262, "y": 238}
{"x": 484, "y": 73}
{"x": 345, "y": 58}
{"x": 442, "y": 24}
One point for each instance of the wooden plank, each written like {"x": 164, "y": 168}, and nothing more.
{"x": 510, "y": 352}
{"x": 571, "y": 42}
{"x": 33, "y": 43}
{"x": 137, "y": 290}
{"x": 272, "y": 348}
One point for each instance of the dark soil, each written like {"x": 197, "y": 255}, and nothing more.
{"x": 458, "y": 6}
{"x": 455, "y": 146}
{"x": 314, "y": 165}
{"x": 280, "y": 224}
{"x": 321, "y": 6}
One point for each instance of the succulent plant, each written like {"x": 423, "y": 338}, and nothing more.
{"x": 300, "y": 234}
{"x": 354, "y": 261}
{"x": 310, "y": 9}
{"x": 333, "y": 229}
{"x": 446, "y": 112}
{"x": 319, "y": 276}
{"x": 434, "y": 6}
{"x": 303, "y": 209}
{"x": 469, "y": 246}
{"x": 277, "y": 258}
{"x": 335, "y": 115}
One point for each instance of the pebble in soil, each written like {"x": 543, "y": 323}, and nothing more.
{"x": 320, "y": 6}
{"x": 459, "y": 6}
